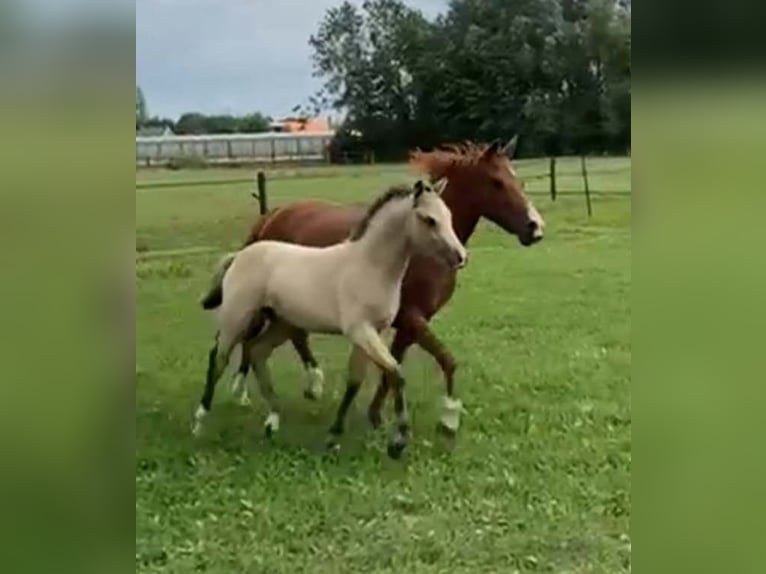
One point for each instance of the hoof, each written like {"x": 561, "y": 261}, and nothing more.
{"x": 196, "y": 430}
{"x": 395, "y": 449}
{"x": 313, "y": 391}
{"x": 272, "y": 425}
{"x": 333, "y": 445}
{"x": 244, "y": 401}
{"x": 444, "y": 430}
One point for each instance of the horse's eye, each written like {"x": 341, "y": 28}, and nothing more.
{"x": 429, "y": 221}
{"x": 496, "y": 183}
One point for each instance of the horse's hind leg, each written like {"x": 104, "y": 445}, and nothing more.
{"x": 315, "y": 387}
{"x": 239, "y": 387}
{"x": 259, "y": 352}
{"x": 239, "y": 384}
{"x": 234, "y": 328}
{"x": 217, "y": 360}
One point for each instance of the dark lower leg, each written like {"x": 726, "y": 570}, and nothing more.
{"x": 211, "y": 379}
{"x": 352, "y": 388}
{"x": 402, "y": 341}
{"x": 315, "y": 386}
{"x": 244, "y": 362}
{"x": 401, "y": 434}
{"x": 214, "y": 369}
{"x": 300, "y": 341}
{"x": 357, "y": 369}
{"x": 376, "y": 405}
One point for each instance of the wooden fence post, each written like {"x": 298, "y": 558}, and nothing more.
{"x": 553, "y": 178}
{"x": 585, "y": 180}
{"x": 261, "y": 195}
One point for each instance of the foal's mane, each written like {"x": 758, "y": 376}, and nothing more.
{"x": 438, "y": 162}
{"x": 395, "y": 192}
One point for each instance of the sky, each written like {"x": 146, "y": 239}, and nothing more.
{"x": 231, "y": 56}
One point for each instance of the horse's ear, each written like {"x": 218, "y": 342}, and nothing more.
{"x": 492, "y": 150}
{"x": 420, "y": 187}
{"x": 510, "y": 147}
{"x": 440, "y": 185}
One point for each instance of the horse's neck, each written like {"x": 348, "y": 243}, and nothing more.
{"x": 385, "y": 245}
{"x": 465, "y": 217}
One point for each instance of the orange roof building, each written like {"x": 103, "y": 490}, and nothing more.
{"x": 304, "y": 125}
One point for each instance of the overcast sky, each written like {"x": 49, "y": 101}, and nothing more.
{"x": 230, "y": 56}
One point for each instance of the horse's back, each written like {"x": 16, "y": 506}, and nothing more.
{"x": 427, "y": 283}
{"x": 298, "y": 282}
{"x": 310, "y": 222}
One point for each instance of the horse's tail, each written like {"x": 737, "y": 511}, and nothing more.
{"x": 214, "y": 296}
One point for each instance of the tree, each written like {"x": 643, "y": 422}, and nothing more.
{"x": 556, "y": 71}
{"x": 191, "y": 123}
{"x": 197, "y": 123}
{"x": 253, "y": 123}
{"x": 142, "y": 113}
{"x": 368, "y": 58}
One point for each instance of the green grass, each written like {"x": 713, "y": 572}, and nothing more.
{"x": 539, "y": 477}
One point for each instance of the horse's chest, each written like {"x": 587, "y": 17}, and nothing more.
{"x": 428, "y": 287}
{"x": 379, "y": 310}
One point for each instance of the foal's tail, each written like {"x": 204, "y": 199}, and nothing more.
{"x": 214, "y": 297}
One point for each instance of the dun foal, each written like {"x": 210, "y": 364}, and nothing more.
{"x": 352, "y": 288}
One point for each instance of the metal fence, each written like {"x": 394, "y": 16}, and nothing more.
{"x": 234, "y": 148}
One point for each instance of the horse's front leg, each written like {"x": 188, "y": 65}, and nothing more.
{"x": 357, "y": 369}
{"x": 259, "y": 352}
{"x": 368, "y": 339}
{"x": 403, "y": 339}
{"x": 449, "y": 422}
{"x": 414, "y": 327}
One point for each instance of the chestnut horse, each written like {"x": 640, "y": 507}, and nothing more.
{"x": 480, "y": 182}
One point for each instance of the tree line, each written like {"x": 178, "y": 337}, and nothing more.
{"x": 557, "y": 72}
{"x": 193, "y": 123}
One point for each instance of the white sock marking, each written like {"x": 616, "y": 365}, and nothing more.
{"x": 316, "y": 381}
{"x": 238, "y": 384}
{"x": 451, "y": 414}
{"x": 272, "y": 421}
{"x": 199, "y": 417}
{"x": 244, "y": 398}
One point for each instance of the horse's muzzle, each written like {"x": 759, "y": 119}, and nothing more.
{"x": 531, "y": 239}
{"x": 459, "y": 260}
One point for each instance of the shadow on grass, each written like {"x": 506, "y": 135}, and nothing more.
{"x": 239, "y": 430}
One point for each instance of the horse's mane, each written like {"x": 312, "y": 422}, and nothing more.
{"x": 395, "y": 192}
{"x": 438, "y": 162}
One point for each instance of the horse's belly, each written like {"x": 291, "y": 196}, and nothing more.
{"x": 310, "y": 320}
{"x": 304, "y": 310}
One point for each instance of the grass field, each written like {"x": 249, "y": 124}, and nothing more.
{"x": 539, "y": 477}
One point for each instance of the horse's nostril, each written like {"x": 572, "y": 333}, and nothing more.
{"x": 532, "y": 226}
